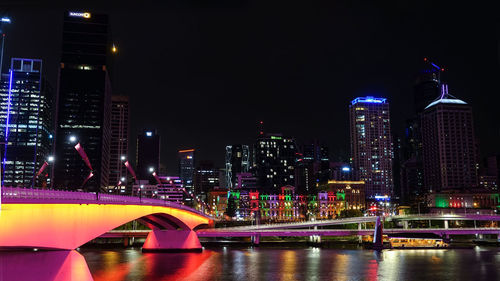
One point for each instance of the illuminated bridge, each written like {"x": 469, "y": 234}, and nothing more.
{"x": 56, "y": 219}
{"x": 316, "y": 229}
{"x": 313, "y": 228}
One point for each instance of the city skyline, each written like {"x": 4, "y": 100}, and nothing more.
{"x": 310, "y": 65}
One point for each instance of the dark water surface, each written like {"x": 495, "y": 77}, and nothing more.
{"x": 253, "y": 264}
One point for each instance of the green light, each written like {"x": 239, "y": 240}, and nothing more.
{"x": 275, "y": 138}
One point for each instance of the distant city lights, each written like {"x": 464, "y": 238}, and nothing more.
{"x": 149, "y": 134}
{"x": 7, "y": 20}
{"x": 346, "y": 169}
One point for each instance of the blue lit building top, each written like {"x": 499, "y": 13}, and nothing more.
{"x": 368, "y": 99}
{"x": 450, "y": 101}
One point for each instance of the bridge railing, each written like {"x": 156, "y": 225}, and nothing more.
{"x": 28, "y": 194}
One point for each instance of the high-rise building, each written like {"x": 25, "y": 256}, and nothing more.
{"x": 206, "y": 178}
{"x": 237, "y": 161}
{"x": 371, "y": 144}
{"x": 312, "y": 167}
{"x": 84, "y": 103}
{"x": 148, "y": 154}
{"x": 427, "y": 85}
{"x": 275, "y": 158}
{"x": 426, "y": 89}
{"x": 119, "y": 141}
{"x": 449, "y": 145}
{"x": 26, "y": 124}
{"x": 186, "y": 168}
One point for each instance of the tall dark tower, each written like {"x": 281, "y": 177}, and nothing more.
{"x": 148, "y": 154}
{"x": 427, "y": 85}
{"x": 83, "y": 103}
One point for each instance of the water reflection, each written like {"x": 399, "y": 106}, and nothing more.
{"x": 252, "y": 264}
{"x": 43, "y": 266}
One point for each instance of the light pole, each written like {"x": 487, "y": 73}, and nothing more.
{"x": 3, "y": 20}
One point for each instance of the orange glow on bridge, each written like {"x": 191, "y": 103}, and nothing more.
{"x": 68, "y": 226}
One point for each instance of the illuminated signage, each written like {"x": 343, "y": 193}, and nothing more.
{"x": 80, "y": 14}
{"x": 369, "y": 99}
{"x": 346, "y": 169}
{"x": 149, "y": 134}
{"x": 275, "y": 138}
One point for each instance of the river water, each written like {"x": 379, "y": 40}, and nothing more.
{"x": 230, "y": 263}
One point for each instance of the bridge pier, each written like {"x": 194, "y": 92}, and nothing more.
{"x": 360, "y": 237}
{"x": 172, "y": 241}
{"x": 256, "y": 240}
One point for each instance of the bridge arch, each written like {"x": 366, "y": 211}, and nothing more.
{"x": 70, "y": 225}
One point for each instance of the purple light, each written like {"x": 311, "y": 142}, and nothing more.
{"x": 8, "y": 107}
{"x": 368, "y": 99}
{"x": 7, "y": 121}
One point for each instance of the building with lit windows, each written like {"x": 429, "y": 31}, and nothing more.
{"x": 148, "y": 154}
{"x": 475, "y": 201}
{"x": 312, "y": 166}
{"x": 84, "y": 103}
{"x": 187, "y": 168}
{"x": 237, "y": 161}
{"x": 169, "y": 189}
{"x": 246, "y": 181}
{"x": 351, "y": 193}
{"x": 449, "y": 144}
{"x": 371, "y": 144}
{"x": 26, "y": 124}
{"x": 275, "y": 158}
{"x": 206, "y": 178}
{"x": 119, "y": 141}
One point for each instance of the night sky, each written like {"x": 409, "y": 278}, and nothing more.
{"x": 205, "y": 72}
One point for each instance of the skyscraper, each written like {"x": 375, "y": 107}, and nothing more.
{"x": 426, "y": 89}
{"x": 148, "y": 154}
{"x": 371, "y": 144}
{"x": 26, "y": 124}
{"x": 206, "y": 178}
{"x": 313, "y": 166}
{"x": 275, "y": 158}
{"x": 237, "y": 161}
{"x": 84, "y": 103}
{"x": 427, "y": 85}
{"x": 187, "y": 168}
{"x": 119, "y": 140}
{"x": 449, "y": 145}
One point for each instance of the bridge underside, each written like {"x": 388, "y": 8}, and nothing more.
{"x": 68, "y": 226}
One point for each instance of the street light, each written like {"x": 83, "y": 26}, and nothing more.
{"x": 50, "y": 159}
{"x": 123, "y": 158}
{"x": 2, "y": 21}
{"x": 151, "y": 169}
{"x": 72, "y": 138}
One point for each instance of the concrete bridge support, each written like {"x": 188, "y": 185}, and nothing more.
{"x": 172, "y": 241}
{"x": 256, "y": 240}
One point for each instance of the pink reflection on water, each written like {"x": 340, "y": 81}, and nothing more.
{"x": 44, "y": 266}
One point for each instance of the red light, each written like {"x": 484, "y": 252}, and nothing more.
{"x": 425, "y": 59}
{"x": 261, "y": 122}
{"x": 442, "y": 69}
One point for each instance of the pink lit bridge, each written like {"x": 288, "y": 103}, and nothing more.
{"x": 56, "y": 219}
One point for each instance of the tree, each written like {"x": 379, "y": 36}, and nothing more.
{"x": 350, "y": 213}
{"x": 231, "y": 206}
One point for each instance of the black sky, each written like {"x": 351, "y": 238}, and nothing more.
{"x": 205, "y": 72}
